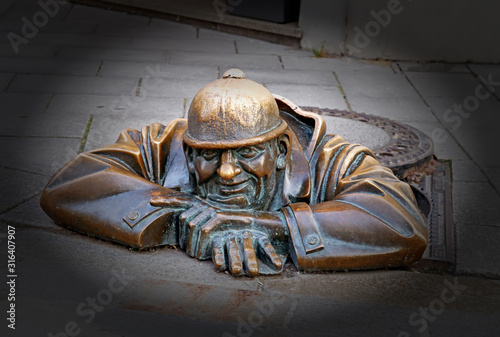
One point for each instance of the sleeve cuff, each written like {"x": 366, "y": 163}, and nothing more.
{"x": 304, "y": 233}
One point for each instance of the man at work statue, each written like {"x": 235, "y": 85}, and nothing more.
{"x": 247, "y": 180}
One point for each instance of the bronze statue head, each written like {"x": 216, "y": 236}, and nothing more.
{"x": 236, "y": 144}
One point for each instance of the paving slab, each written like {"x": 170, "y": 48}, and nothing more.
{"x": 227, "y": 61}
{"x": 379, "y": 85}
{"x": 488, "y": 72}
{"x": 119, "y": 105}
{"x": 320, "y": 96}
{"x": 113, "y": 54}
{"x": 35, "y": 124}
{"x": 82, "y": 40}
{"x": 5, "y": 5}
{"x": 19, "y": 103}
{"x": 415, "y": 67}
{"x": 172, "y": 88}
{"x": 476, "y": 204}
{"x": 466, "y": 171}
{"x": 335, "y": 64}
{"x": 29, "y": 49}
{"x": 478, "y": 251}
{"x": 29, "y": 213}
{"x": 158, "y": 70}
{"x": 479, "y": 143}
{"x": 296, "y": 77}
{"x": 395, "y": 108}
{"x": 70, "y": 27}
{"x": 202, "y": 46}
{"x": 49, "y": 66}
{"x": 254, "y": 46}
{"x": 29, "y": 83}
{"x": 493, "y": 174}
{"x": 445, "y": 147}
{"x": 443, "y": 85}
{"x": 18, "y": 186}
{"x": 210, "y": 34}
{"x": 105, "y": 129}
{"x": 456, "y": 114}
{"x": 37, "y": 155}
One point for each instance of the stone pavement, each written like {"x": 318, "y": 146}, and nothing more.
{"x": 82, "y": 74}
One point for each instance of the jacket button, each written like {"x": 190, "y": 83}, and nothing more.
{"x": 134, "y": 215}
{"x": 312, "y": 240}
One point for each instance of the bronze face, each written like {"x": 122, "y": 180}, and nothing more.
{"x": 241, "y": 178}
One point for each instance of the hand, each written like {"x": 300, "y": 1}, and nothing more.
{"x": 199, "y": 224}
{"x": 239, "y": 252}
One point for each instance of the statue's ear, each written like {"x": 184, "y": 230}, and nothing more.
{"x": 284, "y": 151}
{"x": 189, "y": 153}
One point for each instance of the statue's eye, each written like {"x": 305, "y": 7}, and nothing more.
{"x": 209, "y": 154}
{"x": 248, "y": 152}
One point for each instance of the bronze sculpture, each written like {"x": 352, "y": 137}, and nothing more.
{"x": 247, "y": 180}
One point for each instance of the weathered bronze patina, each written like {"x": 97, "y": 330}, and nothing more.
{"x": 247, "y": 180}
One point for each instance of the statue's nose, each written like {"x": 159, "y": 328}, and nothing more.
{"x": 228, "y": 169}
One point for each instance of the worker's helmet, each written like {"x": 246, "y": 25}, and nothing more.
{"x": 233, "y": 112}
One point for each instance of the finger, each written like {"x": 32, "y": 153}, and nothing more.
{"x": 192, "y": 230}
{"x": 174, "y": 200}
{"x": 233, "y": 253}
{"x": 218, "y": 254}
{"x": 250, "y": 257}
{"x": 269, "y": 251}
{"x": 185, "y": 218}
{"x": 205, "y": 232}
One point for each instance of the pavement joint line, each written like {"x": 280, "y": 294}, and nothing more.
{"x": 235, "y": 47}
{"x": 48, "y": 103}
{"x": 8, "y": 8}
{"x": 10, "y": 82}
{"x": 28, "y": 198}
{"x": 72, "y": 6}
{"x": 184, "y": 103}
{"x": 218, "y": 72}
{"x": 25, "y": 171}
{"x": 281, "y": 62}
{"x": 452, "y": 136}
{"x": 138, "y": 90}
{"x": 83, "y": 141}
{"x": 99, "y": 68}
{"x": 342, "y": 92}
{"x": 478, "y": 78}
{"x": 197, "y": 33}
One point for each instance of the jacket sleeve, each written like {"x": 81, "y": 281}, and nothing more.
{"x": 106, "y": 192}
{"x": 360, "y": 215}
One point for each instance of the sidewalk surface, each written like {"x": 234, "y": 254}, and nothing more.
{"x": 83, "y": 74}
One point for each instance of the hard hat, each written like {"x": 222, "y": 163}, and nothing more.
{"x": 233, "y": 112}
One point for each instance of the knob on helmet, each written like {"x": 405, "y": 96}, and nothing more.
{"x": 233, "y": 112}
